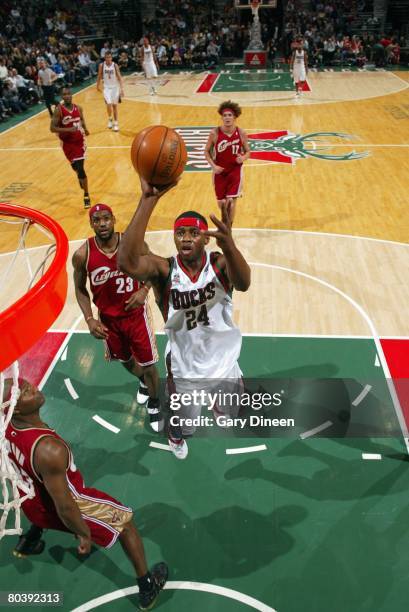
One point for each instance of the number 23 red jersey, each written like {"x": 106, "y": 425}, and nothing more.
{"x": 227, "y": 148}
{"x": 110, "y": 287}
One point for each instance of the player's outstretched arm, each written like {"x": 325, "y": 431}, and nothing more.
{"x": 232, "y": 260}
{"x": 51, "y": 462}
{"x": 96, "y": 328}
{"x": 132, "y": 257}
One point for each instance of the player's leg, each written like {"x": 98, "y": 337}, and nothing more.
{"x": 115, "y": 113}
{"x": 140, "y": 335}
{"x": 108, "y": 107}
{"x": 78, "y": 167}
{"x": 176, "y": 441}
{"x": 234, "y": 184}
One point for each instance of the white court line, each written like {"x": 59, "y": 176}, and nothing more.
{"x": 105, "y": 424}
{"x": 59, "y": 352}
{"x": 372, "y": 456}
{"x": 362, "y": 395}
{"x": 165, "y": 447}
{"x": 377, "y": 363}
{"x": 71, "y": 389}
{"x": 379, "y": 349}
{"x": 185, "y": 585}
{"x": 257, "y": 229}
{"x": 64, "y": 355}
{"x": 312, "y": 432}
{"x": 245, "y": 449}
{"x": 104, "y": 147}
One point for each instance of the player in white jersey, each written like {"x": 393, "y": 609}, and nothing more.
{"x": 149, "y": 64}
{"x": 299, "y": 66}
{"x": 193, "y": 291}
{"x": 109, "y": 73}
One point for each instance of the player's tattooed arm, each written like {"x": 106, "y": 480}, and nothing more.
{"x": 232, "y": 260}
{"x": 132, "y": 257}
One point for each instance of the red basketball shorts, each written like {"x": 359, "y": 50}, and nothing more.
{"x": 131, "y": 336}
{"x": 74, "y": 150}
{"x": 104, "y": 515}
{"x": 229, "y": 184}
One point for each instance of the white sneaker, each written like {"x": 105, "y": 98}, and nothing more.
{"x": 156, "y": 420}
{"x": 153, "y": 91}
{"x": 116, "y": 127}
{"x": 179, "y": 449}
{"x": 110, "y": 124}
{"x": 143, "y": 395}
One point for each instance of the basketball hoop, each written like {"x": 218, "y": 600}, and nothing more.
{"x": 22, "y": 323}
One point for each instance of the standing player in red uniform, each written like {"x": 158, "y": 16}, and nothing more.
{"x": 69, "y": 123}
{"x": 227, "y": 148}
{"x": 61, "y": 500}
{"x": 124, "y": 316}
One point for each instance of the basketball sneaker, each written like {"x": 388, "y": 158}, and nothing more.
{"x": 153, "y": 91}
{"x": 87, "y": 201}
{"x": 143, "y": 395}
{"x": 179, "y": 448}
{"x": 116, "y": 126}
{"x": 30, "y": 543}
{"x": 155, "y": 415}
{"x": 110, "y": 124}
{"x": 159, "y": 575}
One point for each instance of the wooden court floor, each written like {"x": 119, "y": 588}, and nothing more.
{"x": 299, "y": 200}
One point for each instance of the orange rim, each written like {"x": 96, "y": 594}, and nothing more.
{"x": 25, "y": 321}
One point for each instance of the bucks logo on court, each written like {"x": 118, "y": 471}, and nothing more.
{"x": 274, "y": 147}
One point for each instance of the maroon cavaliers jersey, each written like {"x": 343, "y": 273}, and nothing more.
{"x": 227, "y": 148}
{"x": 21, "y": 444}
{"x": 70, "y": 118}
{"x": 110, "y": 287}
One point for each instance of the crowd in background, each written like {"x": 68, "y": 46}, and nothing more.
{"x": 185, "y": 33}
{"x": 339, "y": 33}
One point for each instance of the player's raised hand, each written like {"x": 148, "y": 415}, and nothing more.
{"x": 150, "y": 191}
{"x": 223, "y": 235}
{"x": 98, "y": 330}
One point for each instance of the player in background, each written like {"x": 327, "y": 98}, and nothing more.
{"x": 193, "y": 290}
{"x": 149, "y": 64}
{"x": 124, "y": 321}
{"x": 62, "y": 501}
{"x": 69, "y": 123}
{"x": 109, "y": 73}
{"x": 227, "y": 148}
{"x": 299, "y": 65}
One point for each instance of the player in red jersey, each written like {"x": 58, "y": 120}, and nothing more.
{"x": 61, "y": 501}
{"x": 69, "y": 123}
{"x": 124, "y": 316}
{"x": 227, "y": 148}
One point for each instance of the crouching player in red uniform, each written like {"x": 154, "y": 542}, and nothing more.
{"x": 227, "y": 148}
{"x": 69, "y": 123}
{"x": 61, "y": 500}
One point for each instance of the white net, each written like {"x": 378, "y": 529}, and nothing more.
{"x": 20, "y": 268}
{"x": 14, "y": 487}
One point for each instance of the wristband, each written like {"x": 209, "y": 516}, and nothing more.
{"x": 88, "y": 318}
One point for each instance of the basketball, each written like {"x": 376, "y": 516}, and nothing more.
{"x": 158, "y": 154}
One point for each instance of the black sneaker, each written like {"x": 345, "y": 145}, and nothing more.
{"x": 159, "y": 573}
{"x": 30, "y": 543}
{"x": 87, "y": 202}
